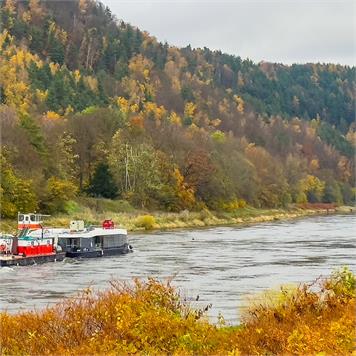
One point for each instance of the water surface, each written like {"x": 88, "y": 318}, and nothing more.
{"x": 222, "y": 265}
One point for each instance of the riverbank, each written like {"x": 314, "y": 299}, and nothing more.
{"x": 151, "y": 318}
{"x": 138, "y": 220}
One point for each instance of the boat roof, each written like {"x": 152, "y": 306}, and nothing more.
{"x": 92, "y": 233}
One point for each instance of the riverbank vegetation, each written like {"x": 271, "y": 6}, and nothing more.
{"x": 92, "y": 107}
{"x": 152, "y": 318}
{"x": 94, "y": 211}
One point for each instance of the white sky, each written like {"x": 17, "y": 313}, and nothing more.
{"x": 285, "y": 31}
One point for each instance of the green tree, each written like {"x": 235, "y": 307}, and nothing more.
{"x": 103, "y": 184}
{"x": 34, "y": 134}
{"x": 332, "y": 192}
{"x": 136, "y": 169}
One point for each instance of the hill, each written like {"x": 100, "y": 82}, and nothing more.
{"x": 94, "y": 106}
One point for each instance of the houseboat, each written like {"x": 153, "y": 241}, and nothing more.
{"x": 87, "y": 241}
{"x": 93, "y": 241}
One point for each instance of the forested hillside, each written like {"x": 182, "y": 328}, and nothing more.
{"x": 93, "y": 106}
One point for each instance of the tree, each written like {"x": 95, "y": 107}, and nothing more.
{"x": 16, "y": 194}
{"x": 332, "y": 192}
{"x": 136, "y": 169}
{"x": 311, "y": 188}
{"x": 57, "y": 193}
{"x": 102, "y": 183}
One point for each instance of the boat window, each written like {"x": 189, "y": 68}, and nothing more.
{"x": 97, "y": 241}
{"x": 21, "y": 217}
{"x": 76, "y": 242}
{"x": 32, "y": 217}
{"x": 27, "y": 218}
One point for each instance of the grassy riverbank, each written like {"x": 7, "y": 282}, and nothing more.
{"x": 151, "y": 318}
{"x": 94, "y": 211}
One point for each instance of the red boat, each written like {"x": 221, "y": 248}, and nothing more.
{"x": 24, "y": 249}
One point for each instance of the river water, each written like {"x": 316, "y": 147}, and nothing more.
{"x": 221, "y": 265}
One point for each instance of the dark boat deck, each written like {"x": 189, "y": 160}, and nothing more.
{"x": 16, "y": 260}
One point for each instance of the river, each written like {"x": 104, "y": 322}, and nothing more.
{"x": 221, "y": 265}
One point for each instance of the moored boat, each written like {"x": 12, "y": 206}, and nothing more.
{"x": 23, "y": 249}
{"x": 93, "y": 241}
{"x": 35, "y": 243}
{"x": 87, "y": 241}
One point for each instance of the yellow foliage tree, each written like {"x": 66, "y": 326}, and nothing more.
{"x": 311, "y": 189}
{"x": 240, "y": 104}
{"x": 175, "y": 119}
{"x": 185, "y": 193}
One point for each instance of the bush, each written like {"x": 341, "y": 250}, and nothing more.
{"x": 71, "y": 207}
{"x": 232, "y": 205}
{"x": 342, "y": 283}
{"x": 150, "y": 318}
{"x": 146, "y": 221}
{"x": 304, "y": 320}
{"x": 146, "y": 318}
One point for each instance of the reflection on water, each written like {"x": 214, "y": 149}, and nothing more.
{"x": 221, "y": 265}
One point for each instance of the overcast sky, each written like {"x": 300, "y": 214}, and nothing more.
{"x": 283, "y": 31}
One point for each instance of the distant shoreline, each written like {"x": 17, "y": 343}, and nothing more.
{"x": 139, "y": 221}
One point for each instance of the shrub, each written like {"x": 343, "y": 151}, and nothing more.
{"x": 146, "y": 221}
{"x": 343, "y": 283}
{"x": 146, "y": 318}
{"x": 71, "y": 207}
{"x": 232, "y": 205}
{"x": 304, "y": 320}
{"x": 150, "y": 318}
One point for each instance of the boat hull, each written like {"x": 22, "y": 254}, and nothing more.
{"x": 15, "y": 260}
{"x": 100, "y": 253}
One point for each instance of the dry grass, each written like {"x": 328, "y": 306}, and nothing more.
{"x": 141, "y": 220}
{"x": 149, "y": 318}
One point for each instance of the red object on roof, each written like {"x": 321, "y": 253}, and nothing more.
{"x": 108, "y": 224}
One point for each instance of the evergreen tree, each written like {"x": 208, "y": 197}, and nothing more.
{"x": 102, "y": 184}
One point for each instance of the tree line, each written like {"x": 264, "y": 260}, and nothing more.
{"x": 93, "y": 106}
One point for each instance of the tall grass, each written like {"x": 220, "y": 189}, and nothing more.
{"x": 94, "y": 210}
{"x": 150, "y": 318}
{"x": 97, "y": 210}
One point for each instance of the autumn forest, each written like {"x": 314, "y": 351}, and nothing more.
{"x": 92, "y": 106}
